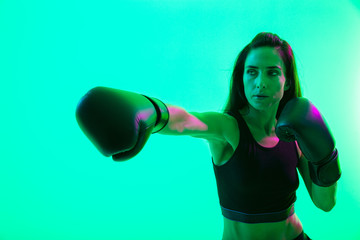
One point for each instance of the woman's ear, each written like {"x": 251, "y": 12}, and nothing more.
{"x": 287, "y": 86}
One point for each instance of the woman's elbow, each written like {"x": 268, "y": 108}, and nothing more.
{"x": 326, "y": 206}
{"x": 324, "y": 197}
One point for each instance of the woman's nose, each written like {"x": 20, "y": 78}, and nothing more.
{"x": 261, "y": 81}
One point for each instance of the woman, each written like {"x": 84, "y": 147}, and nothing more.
{"x": 256, "y": 172}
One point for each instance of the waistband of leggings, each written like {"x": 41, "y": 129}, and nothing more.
{"x": 258, "y": 217}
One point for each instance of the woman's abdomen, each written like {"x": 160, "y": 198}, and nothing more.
{"x": 287, "y": 229}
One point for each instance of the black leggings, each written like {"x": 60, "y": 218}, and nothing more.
{"x": 302, "y": 236}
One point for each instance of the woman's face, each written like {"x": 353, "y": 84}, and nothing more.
{"x": 264, "y": 78}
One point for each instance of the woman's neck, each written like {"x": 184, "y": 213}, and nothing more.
{"x": 263, "y": 122}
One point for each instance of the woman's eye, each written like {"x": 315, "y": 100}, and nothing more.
{"x": 251, "y": 72}
{"x": 273, "y": 73}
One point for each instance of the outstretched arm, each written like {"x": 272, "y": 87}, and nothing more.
{"x": 119, "y": 122}
{"x": 207, "y": 125}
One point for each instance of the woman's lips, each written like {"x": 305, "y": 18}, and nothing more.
{"x": 260, "y": 96}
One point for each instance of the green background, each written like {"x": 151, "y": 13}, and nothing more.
{"x": 55, "y": 185}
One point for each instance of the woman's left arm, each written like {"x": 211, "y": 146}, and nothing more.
{"x": 319, "y": 162}
{"x": 323, "y": 197}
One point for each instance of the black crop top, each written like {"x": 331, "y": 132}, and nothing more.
{"x": 258, "y": 179}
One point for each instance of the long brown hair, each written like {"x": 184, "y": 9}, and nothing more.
{"x": 237, "y": 99}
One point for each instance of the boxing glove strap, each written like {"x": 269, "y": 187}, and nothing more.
{"x": 162, "y": 113}
{"x": 327, "y": 172}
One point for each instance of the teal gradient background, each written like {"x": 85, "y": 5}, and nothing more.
{"x": 55, "y": 185}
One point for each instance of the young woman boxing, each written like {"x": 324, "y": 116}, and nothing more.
{"x": 266, "y": 133}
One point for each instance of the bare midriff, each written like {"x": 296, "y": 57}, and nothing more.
{"x": 283, "y": 230}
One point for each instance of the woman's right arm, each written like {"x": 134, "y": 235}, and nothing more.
{"x": 212, "y": 126}
{"x": 120, "y": 122}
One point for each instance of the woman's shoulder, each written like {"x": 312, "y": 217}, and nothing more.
{"x": 231, "y": 129}
{"x": 222, "y": 128}
{"x": 222, "y": 151}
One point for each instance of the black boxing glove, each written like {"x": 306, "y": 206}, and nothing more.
{"x": 118, "y": 122}
{"x": 301, "y": 121}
